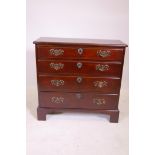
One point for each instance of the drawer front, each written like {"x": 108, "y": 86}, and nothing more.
{"x": 80, "y": 67}
{"x": 95, "y": 53}
{"x": 79, "y": 83}
{"x": 78, "y": 100}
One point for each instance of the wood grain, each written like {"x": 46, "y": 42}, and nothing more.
{"x": 87, "y": 68}
{"x": 71, "y": 88}
{"x": 89, "y": 53}
{"x": 78, "y": 100}
{"x": 86, "y": 85}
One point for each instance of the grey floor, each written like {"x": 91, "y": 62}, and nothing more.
{"x": 76, "y": 133}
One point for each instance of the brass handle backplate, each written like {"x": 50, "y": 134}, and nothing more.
{"x": 100, "y": 84}
{"x": 99, "y": 101}
{"x": 103, "y": 54}
{"x": 102, "y": 67}
{"x": 57, "y": 100}
{"x": 57, "y": 82}
{"x": 57, "y": 66}
{"x": 56, "y": 52}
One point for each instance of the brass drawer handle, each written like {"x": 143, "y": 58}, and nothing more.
{"x": 57, "y": 82}
{"x": 57, "y": 66}
{"x": 103, "y": 54}
{"x": 79, "y": 65}
{"x": 100, "y": 84}
{"x": 99, "y": 101}
{"x": 102, "y": 67}
{"x": 79, "y": 79}
{"x": 80, "y": 51}
{"x": 57, "y": 100}
{"x": 56, "y": 52}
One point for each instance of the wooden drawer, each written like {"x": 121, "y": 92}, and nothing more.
{"x": 80, "y": 67}
{"x": 79, "y": 75}
{"x": 79, "y": 83}
{"x": 95, "y": 53}
{"x": 78, "y": 100}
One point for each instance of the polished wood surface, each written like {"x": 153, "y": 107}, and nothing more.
{"x": 87, "y": 67}
{"x": 71, "y": 52}
{"x": 78, "y": 100}
{"x": 87, "y": 84}
{"x": 80, "y": 41}
{"x": 79, "y": 75}
{"x": 42, "y": 112}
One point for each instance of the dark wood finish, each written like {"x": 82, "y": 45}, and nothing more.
{"x": 88, "y": 53}
{"x": 42, "y": 112}
{"x": 89, "y": 88}
{"x": 79, "y": 41}
{"x": 87, "y": 68}
{"x": 87, "y": 84}
{"x": 78, "y": 100}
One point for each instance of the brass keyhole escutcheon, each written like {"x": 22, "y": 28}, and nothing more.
{"x": 79, "y": 65}
{"x": 79, "y": 79}
{"x": 80, "y": 51}
{"x": 78, "y": 95}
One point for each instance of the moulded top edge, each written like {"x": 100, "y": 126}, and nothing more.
{"x": 79, "y": 41}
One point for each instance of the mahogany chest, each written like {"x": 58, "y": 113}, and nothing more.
{"x": 79, "y": 75}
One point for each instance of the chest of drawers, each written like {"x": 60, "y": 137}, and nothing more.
{"x": 79, "y": 75}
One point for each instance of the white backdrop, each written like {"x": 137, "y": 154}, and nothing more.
{"x": 102, "y": 19}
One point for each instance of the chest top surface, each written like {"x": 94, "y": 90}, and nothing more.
{"x": 78, "y": 41}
